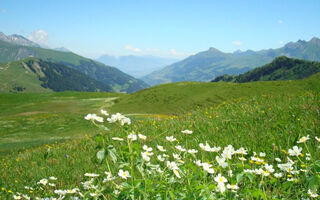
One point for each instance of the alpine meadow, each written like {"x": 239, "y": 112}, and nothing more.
{"x": 105, "y": 100}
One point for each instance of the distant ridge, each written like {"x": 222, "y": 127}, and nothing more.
{"x": 212, "y": 63}
{"x": 281, "y": 68}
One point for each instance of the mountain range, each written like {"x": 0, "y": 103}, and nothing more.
{"x": 281, "y": 68}
{"x": 136, "y": 66}
{"x": 13, "y": 50}
{"x": 207, "y": 65}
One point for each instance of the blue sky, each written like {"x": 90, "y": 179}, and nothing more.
{"x": 169, "y": 28}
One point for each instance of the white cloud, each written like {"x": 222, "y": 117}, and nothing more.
{"x": 134, "y": 49}
{"x": 281, "y": 42}
{"x": 280, "y": 21}
{"x": 238, "y": 43}
{"x": 40, "y": 37}
{"x": 3, "y": 10}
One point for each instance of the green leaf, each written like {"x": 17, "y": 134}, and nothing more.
{"x": 101, "y": 155}
{"x": 239, "y": 177}
{"x": 112, "y": 153}
{"x": 103, "y": 127}
{"x": 314, "y": 182}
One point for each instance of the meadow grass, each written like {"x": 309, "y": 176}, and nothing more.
{"x": 267, "y": 124}
{"x": 33, "y": 119}
{"x": 177, "y": 98}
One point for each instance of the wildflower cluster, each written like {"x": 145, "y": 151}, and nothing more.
{"x": 175, "y": 168}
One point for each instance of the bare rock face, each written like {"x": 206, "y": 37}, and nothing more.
{"x": 17, "y": 39}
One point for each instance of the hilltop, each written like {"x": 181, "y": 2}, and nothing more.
{"x": 212, "y": 63}
{"x": 36, "y": 75}
{"x": 281, "y": 68}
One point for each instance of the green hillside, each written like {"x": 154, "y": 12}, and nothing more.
{"x": 35, "y": 75}
{"x": 180, "y": 97}
{"x": 281, "y": 68}
{"x": 212, "y": 63}
{"x": 105, "y": 74}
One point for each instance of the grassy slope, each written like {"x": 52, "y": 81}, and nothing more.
{"x": 35, "y": 119}
{"x": 178, "y": 97}
{"x": 36, "y": 75}
{"x": 14, "y": 74}
{"x": 264, "y": 124}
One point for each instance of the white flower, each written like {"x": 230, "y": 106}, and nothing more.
{"x": 286, "y": 167}
{"x": 278, "y": 159}
{"x": 187, "y": 132}
{"x": 198, "y": 163}
{"x": 43, "y": 181}
{"x": 117, "y": 138}
{"x": 207, "y": 167}
{"x": 230, "y": 174}
{"x": 26, "y": 197}
{"x": 125, "y": 120}
{"x": 108, "y": 178}
{"x": 259, "y": 171}
{"x": 94, "y": 194}
{"x": 312, "y": 194}
{"x": 262, "y": 154}
{"x": 180, "y": 148}
{"x": 265, "y": 173}
{"x": 308, "y": 158}
{"x": 241, "y": 151}
{"x": 99, "y": 119}
{"x": 221, "y": 161}
{"x": 142, "y": 137}
{"x": 269, "y": 168}
{"x": 303, "y": 139}
{"x": 52, "y": 178}
{"x": 91, "y": 175}
{"x": 228, "y": 152}
{"x": 124, "y": 174}
{"x": 176, "y": 156}
{"x": 104, "y": 112}
{"x": 242, "y": 159}
{"x": 176, "y": 172}
{"x": 171, "y": 138}
{"x": 278, "y": 175}
{"x": 160, "y": 158}
{"x": 220, "y": 179}
{"x": 161, "y": 148}
{"x": 318, "y": 139}
{"x": 221, "y": 188}
{"x": 60, "y": 192}
{"x": 132, "y": 137}
{"x": 232, "y": 187}
{"x": 52, "y": 184}
{"x": 172, "y": 165}
{"x": 146, "y": 148}
{"x": 295, "y": 151}
{"x": 119, "y": 117}
{"x": 205, "y": 147}
{"x": 192, "y": 151}
{"x": 145, "y": 156}
{"x": 16, "y": 197}
{"x": 90, "y": 116}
